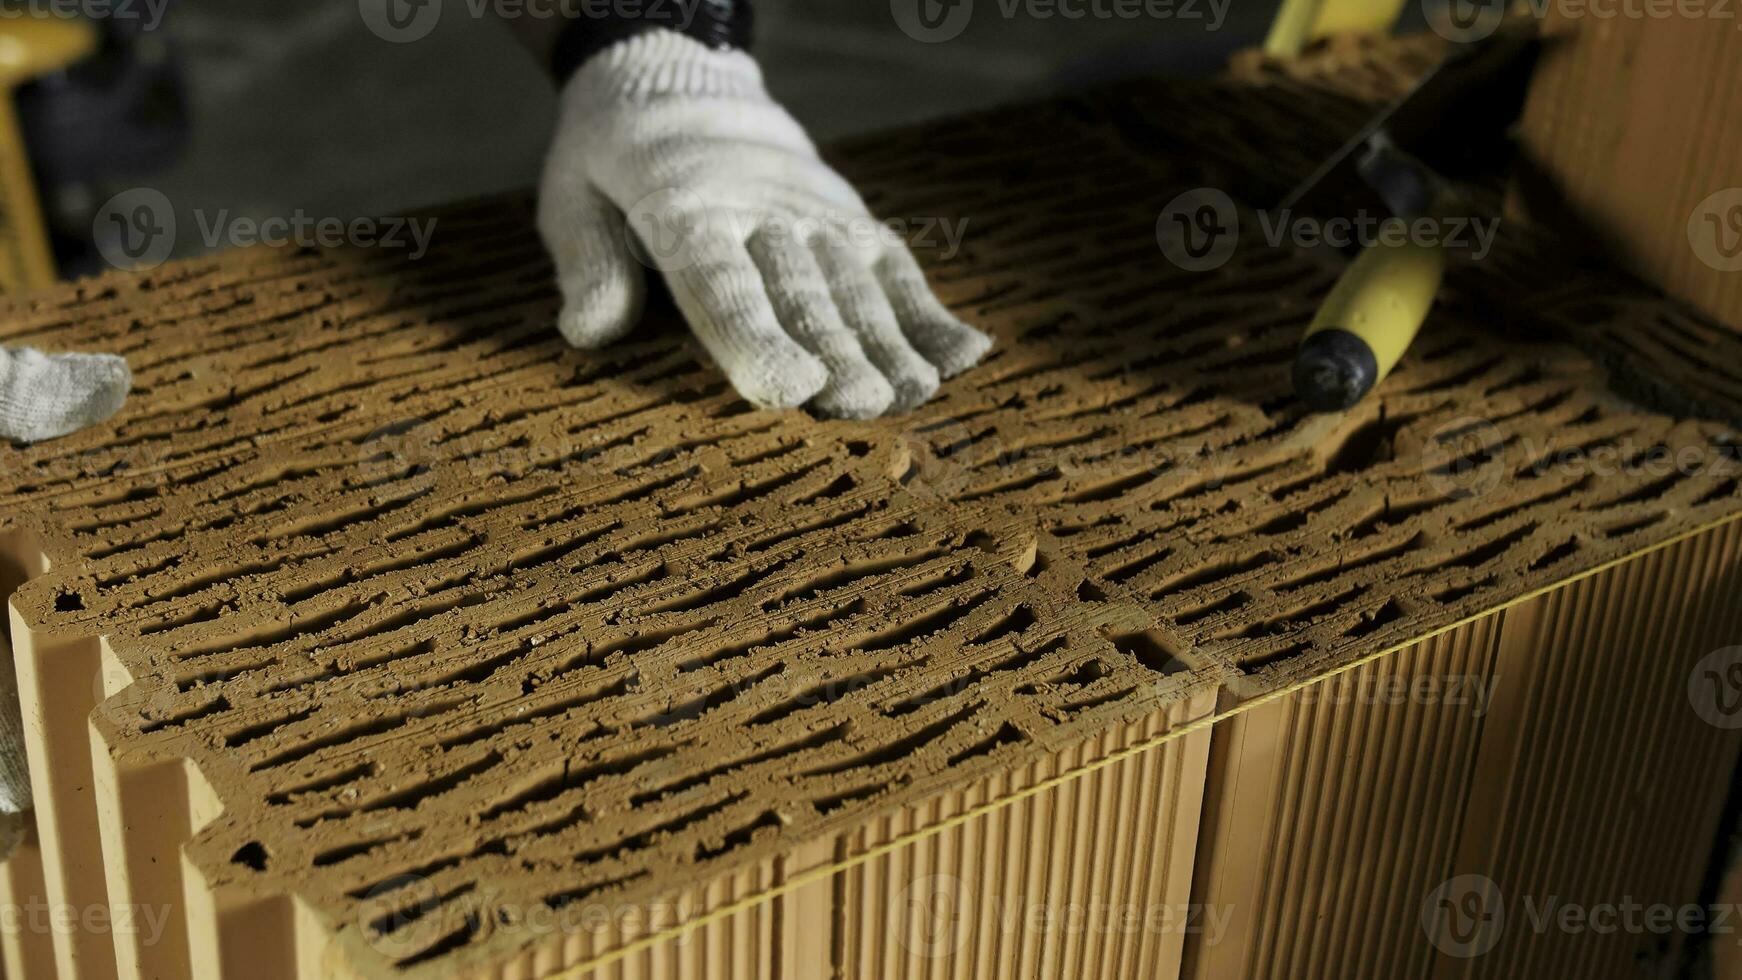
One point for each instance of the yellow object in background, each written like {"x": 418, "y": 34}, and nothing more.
{"x": 30, "y": 46}
{"x": 1300, "y": 22}
{"x": 1370, "y": 318}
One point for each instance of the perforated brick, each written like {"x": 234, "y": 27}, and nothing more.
{"x": 421, "y": 595}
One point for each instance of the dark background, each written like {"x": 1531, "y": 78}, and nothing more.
{"x": 296, "y": 104}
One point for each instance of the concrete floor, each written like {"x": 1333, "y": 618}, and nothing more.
{"x": 299, "y": 106}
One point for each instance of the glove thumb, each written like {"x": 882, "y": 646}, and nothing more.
{"x": 603, "y": 286}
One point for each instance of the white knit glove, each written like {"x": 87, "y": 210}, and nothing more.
{"x": 784, "y": 276}
{"x": 43, "y": 396}
{"x": 14, "y": 763}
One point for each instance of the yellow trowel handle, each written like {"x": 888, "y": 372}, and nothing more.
{"x": 30, "y": 46}
{"x": 1369, "y": 319}
{"x": 1301, "y": 21}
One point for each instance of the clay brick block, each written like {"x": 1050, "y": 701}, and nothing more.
{"x": 1631, "y": 121}
{"x": 1517, "y": 747}
{"x": 407, "y": 628}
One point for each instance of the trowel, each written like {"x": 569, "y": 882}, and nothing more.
{"x": 1403, "y": 164}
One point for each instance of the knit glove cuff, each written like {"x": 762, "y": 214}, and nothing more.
{"x": 717, "y": 24}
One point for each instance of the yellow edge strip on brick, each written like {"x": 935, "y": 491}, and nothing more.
{"x": 826, "y": 871}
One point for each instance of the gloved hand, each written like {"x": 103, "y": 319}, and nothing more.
{"x": 14, "y": 765}
{"x": 42, "y": 396}
{"x": 783, "y": 274}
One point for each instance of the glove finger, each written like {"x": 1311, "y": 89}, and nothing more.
{"x": 43, "y": 396}
{"x": 801, "y": 299}
{"x": 867, "y": 312}
{"x": 722, "y": 296}
{"x": 948, "y": 343}
{"x": 603, "y": 286}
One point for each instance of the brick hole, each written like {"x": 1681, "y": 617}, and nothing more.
{"x": 829, "y": 804}
{"x": 1007, "y": 734}
{"x": 1370, "y": 623}
{"x": 898, "y": 750}
{"x": 1570, "y": 546}
{"x": 1150, "y": 649}
{"x": 1254, "y": 664}
{"x": 1726, "y": 489}
{"x": 1070, "y": 708}
{"x": 1366, "y": 446}
{"x": 251, "y": 855}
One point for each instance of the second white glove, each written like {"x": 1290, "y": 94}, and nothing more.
{"x": 772, "y": 257}
{"x": 45, "y": 396}
{"x": 42, "y": 396}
